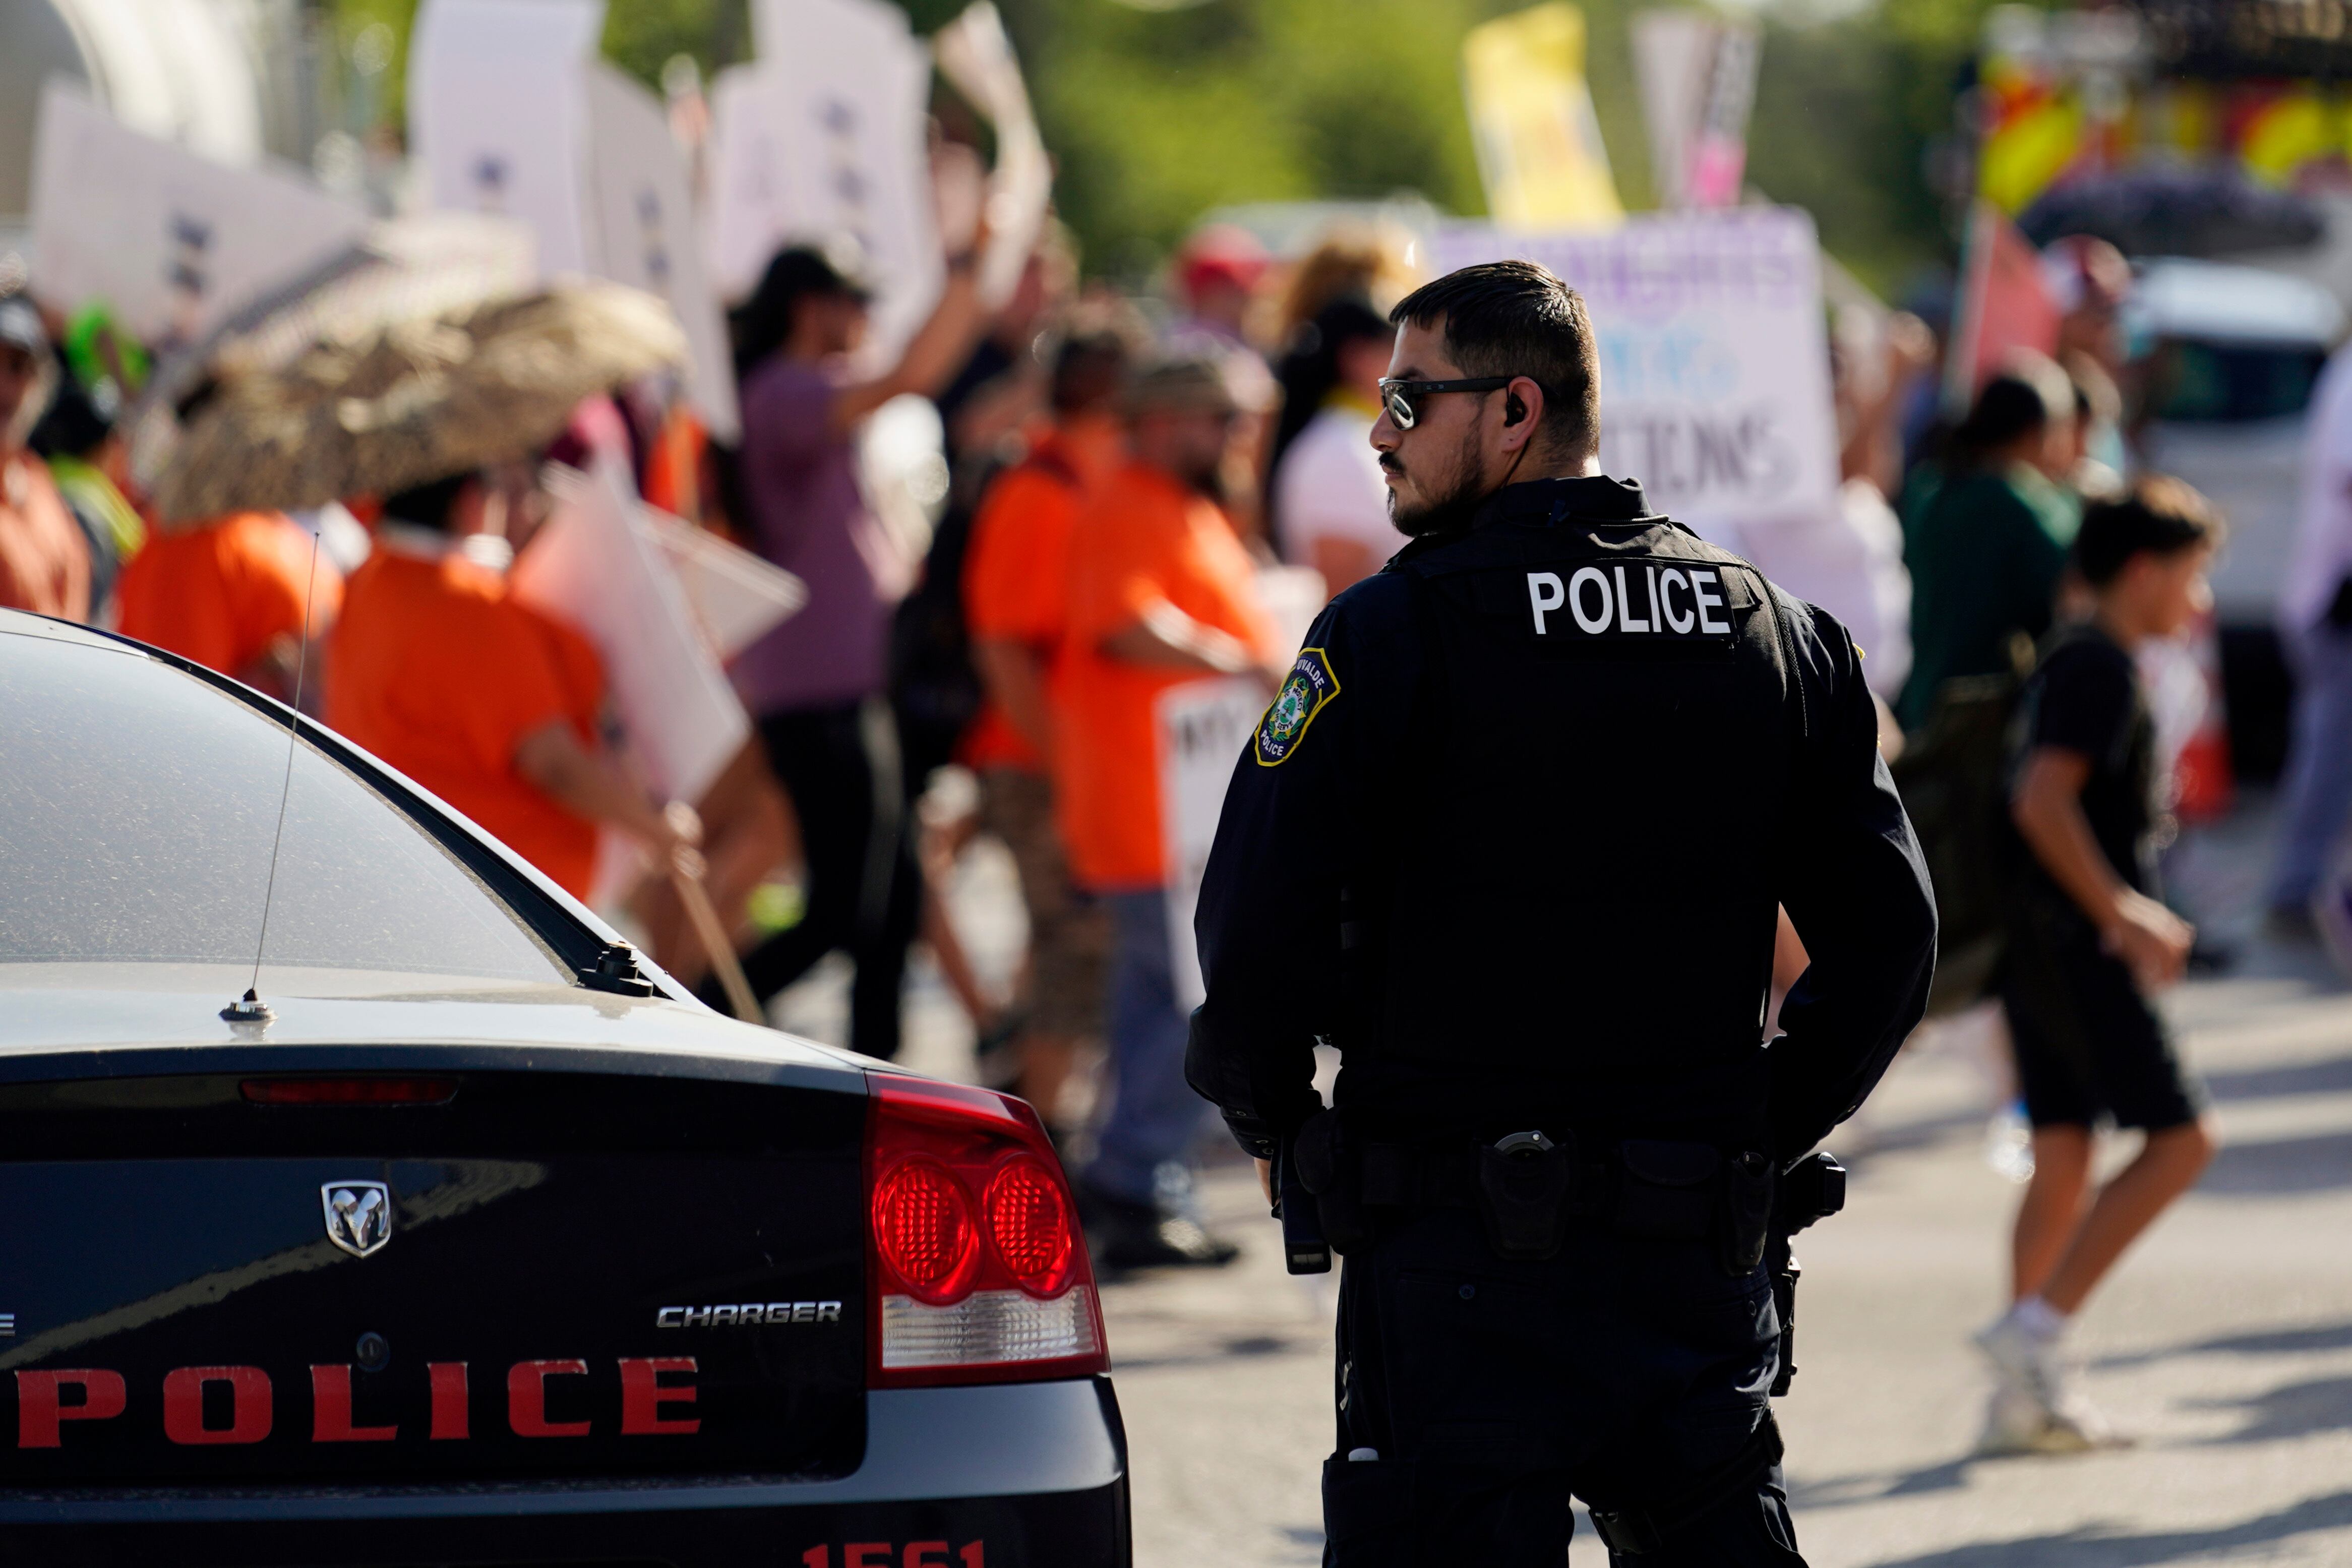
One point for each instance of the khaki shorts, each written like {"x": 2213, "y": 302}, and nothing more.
{"x": 1069, "y": 932}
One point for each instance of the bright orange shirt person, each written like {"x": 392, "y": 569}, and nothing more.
{"x": 1145, "y": 539}
{"x": 1016, "y": 581}
{"x": 436, "y": 671}
{"x": 225, "y": 593}
{"x": 44, "y": 559}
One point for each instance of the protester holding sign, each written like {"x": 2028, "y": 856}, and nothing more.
{"x": 491, "y": 704}
{"x": 1161, "y": 591}
{"x": 816, "y": 684}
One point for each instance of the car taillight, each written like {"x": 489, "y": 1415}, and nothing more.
{"x": 979, "y": 1269}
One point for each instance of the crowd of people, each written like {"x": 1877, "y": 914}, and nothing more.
{"x": 1119, "y": 478}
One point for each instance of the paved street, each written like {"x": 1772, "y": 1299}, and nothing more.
{"x": 2225, "y": 1342}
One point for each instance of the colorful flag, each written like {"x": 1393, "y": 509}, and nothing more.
{"x": 1531, "y": 121}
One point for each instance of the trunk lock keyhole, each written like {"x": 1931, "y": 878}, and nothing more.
{"x": 374, "y": 1352}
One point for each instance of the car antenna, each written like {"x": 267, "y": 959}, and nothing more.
{"x": 250, "y": 1008}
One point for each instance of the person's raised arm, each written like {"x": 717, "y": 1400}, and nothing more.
{"x": 931, "y": 357}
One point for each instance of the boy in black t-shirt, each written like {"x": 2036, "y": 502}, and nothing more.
{"x": 2089, "y": 941}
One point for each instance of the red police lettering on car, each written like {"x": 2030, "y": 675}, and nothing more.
{"x": 330, "y": 1410}
{"x": 527, "y": 1399}
{"x": 450, "y": 1417}
{"x": 643, "y": 1394}
{"x": 183, "y": 1404}
{"x": 39, "y": 1410}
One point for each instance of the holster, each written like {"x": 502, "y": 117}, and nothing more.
{"x": 1327, "y": 1170}
{"x": 1522, "y": 1199}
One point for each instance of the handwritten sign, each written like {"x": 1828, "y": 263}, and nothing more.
{"x": 168, "y": 238}
{"x": 1714, "y": 381}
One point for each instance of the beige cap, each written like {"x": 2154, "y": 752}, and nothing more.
{"x": 1192, "y": 384}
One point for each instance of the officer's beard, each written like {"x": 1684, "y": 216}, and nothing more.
{"x": 1451, "y": 511}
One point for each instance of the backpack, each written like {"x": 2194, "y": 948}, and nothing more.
{"x": 934, "y": 687}
{"x": 1954, "y": 777}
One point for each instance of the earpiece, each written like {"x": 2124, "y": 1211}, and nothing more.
{"x": 1513, "y": 409}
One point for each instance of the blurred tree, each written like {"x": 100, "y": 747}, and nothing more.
{"x": 1156, "y": 114}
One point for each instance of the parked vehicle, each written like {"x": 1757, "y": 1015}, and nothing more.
{"x": 486, "y": 1243}
{"x": 2231, "y": 356}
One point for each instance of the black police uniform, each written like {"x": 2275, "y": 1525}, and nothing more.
{"x": 1511, "y": 836}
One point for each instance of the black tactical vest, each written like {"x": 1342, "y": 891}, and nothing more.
{"x": 1605, "y": 730}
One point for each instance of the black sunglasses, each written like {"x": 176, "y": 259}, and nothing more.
{"x": 1403, "y": 398}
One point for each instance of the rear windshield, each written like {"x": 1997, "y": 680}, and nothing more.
{"x": 2228, "y": 382}
{"x": 137, "y": 805}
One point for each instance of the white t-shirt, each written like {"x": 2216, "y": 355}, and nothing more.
{"x": 1849, "y": 562}
{"x": 1328, "y": 486}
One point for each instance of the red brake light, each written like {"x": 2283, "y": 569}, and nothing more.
{"x": 979, "y": 1271}
{"x": 349, "y": 1090}
{"x": 1031, "y": 1224}
{"x": 923, "y": 1225}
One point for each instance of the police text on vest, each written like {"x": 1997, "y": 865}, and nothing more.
{"x": 1672, "y": 599}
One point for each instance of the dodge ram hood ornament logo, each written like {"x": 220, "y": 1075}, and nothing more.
{"x": 359, "y": 1215}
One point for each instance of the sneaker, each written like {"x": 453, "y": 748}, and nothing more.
{"x": 2038, "y": 1405}
{"x": 2016, "y": 1423}
{"x": 1125, "y": 1235}
{"x": 2029, "y": 1362}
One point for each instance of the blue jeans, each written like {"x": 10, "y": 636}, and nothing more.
{"x": 1145, "y": 1151}
{"x": 2319, "y": 762}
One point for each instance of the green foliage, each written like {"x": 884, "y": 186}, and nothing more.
{"x": 643, "y": 35}
{"x": 1156, "y": 115}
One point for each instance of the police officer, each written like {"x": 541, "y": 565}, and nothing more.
{"x": 1512, "y": 836}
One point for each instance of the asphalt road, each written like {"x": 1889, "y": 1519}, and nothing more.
{"x": 2223, "y": 1343}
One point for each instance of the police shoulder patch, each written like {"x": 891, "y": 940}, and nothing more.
{"x": 1309, "y": 686}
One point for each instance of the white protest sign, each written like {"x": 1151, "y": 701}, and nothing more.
{"x": 497, "y": 113}
{"x": 824, "y": 137}
{"x": 1202, "y": 727}
{"x": 1714, "y": 379}
{"x": 172, "y": 241}
{"x": 735, "y": 596}
{"x": 591, "y": 568}
{"x": 975, "y": 55}
{"x": 643, "y": 231}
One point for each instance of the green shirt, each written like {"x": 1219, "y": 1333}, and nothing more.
{"x": 1985, "y": 550}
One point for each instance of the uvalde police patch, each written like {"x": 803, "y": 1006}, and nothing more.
{"x": 1310, "y": 685}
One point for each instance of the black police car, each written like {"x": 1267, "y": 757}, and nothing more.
{"x": 489, "y": 1245}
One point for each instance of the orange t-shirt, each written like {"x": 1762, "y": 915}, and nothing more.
{"x": 44, "y": 557}
{"x": 1016, "y": 573}
{"x": 1143, "y": 539}
{"x": 222, "y": 592}
{"x": 436, "y": 671}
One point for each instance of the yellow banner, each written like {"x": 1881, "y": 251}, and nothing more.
{"x": 1538, "y": 144}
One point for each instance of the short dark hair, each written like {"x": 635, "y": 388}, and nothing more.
{"x": 1513, "y": 318}
{"x": 1089, "y": 369}
{"x": 430, "y": 504}
{"x": 2159, "y": 515}
{"x": 2028, "y": 392}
